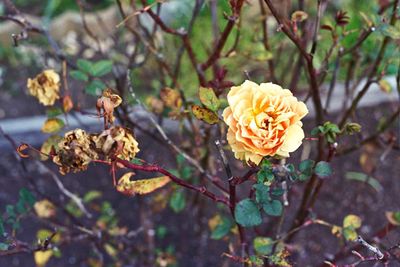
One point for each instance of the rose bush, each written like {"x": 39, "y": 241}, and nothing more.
{"x": 263, "y": 120}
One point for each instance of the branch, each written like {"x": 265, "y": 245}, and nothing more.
{"x": 373, "y": 71}
{"x": 224, "y": 36}
{"x": 175, "y": 148}
{"x": 78, "y": 201}
{"x": 373, "y": 249}
{"x": 154, "y": 168}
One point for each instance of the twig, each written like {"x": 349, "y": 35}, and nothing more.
{"x": 78, "y": 201}
{"x": 232, "y": 197}
{"x": 375, "y": 250}
{"x": 192, "y": 161}
{"x": 373, "y": 70}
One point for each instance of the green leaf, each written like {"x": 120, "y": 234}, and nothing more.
{"x": 247, "y": 213}
{"x": 177, "y": 201}
{"x": 10, "y": 211}
{"x": 101, "y": 68}
{"x": 95, "y": 88}
{"x": 79, "y": 75}
{"x": 161, "y": 231}
{"x": 53, "y": 112}
{"x": 323, "y": 169}
{"x": 20, "y": 206}
{"x": 85, "y": 65}
{"x": 391, "y": 31}
{"x": 263, "y": 245}
{"x": 277, "y": 192}
{"x": 208, "y": 98}
{"x": 2, "y": 230}
{"x": 186, "y": 173}
{"x": 265, "y": 174}
{"x": 27, "y": 196}
{"x": 349, "y": 234}
{"x": 362, "y": 177}
{"x": 273, "y": 208}
{"x": 91, "y": 195}
{"x": 306, "y": 167}
{"x": 262, "y": 193}
{"x": 3, "y": 246}
{"x": 222, "y": 228}
{"x": 205, "y": 114}
{"x": 315, "y": 131}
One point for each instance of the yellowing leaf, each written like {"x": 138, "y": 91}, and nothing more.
{"x": 44, "y": 234}
{"x": 44, "y": 209}
{"x": 385, "y": 86}
{"x": 42, "y": 257}
{"x": 204, "y": 114}
{"x": 110, "y": 250}
{"x": 140, "y": 187}
{"x": 350, "y": 234}
{"x": 20, "y": 150}
{"x": 52, "y": 125}
{"x": 67, "y": 103}
{"x": 214, "y": 221}
{"x": 208, "y": 98}
{"x": 352, "y": 221}
{"x": 171, "y": 98}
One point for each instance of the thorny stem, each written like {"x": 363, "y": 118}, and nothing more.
{"x": 154, "y": 168}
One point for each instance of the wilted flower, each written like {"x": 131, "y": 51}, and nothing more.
{"x": 263, "y": 120}
{"x": 108, "y": 102}
{"x": 117, "y": 141}
{"x": 76, "y": 150}
{"x": 45, "y": 87}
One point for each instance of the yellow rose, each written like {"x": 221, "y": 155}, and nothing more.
{"x": 263, "y": 120}
{"x": 45, "y": 87}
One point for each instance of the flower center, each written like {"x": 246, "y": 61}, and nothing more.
{"x": 263, "y": 119}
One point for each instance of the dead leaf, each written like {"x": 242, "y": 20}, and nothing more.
{"x": 53, "y": 125}
{"x": 299, "y": 16}
{"x": 140, "y": 187}
{"x": 171, "y": 98}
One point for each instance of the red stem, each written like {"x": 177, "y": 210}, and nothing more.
{"x": 154, "y": 168}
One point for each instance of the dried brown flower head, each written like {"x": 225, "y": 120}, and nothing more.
{"x": 76, "y": 151}
{"x": 117, "y": 141}
{"x": 45, "y": 87}
{"x": 107, "y": 103}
